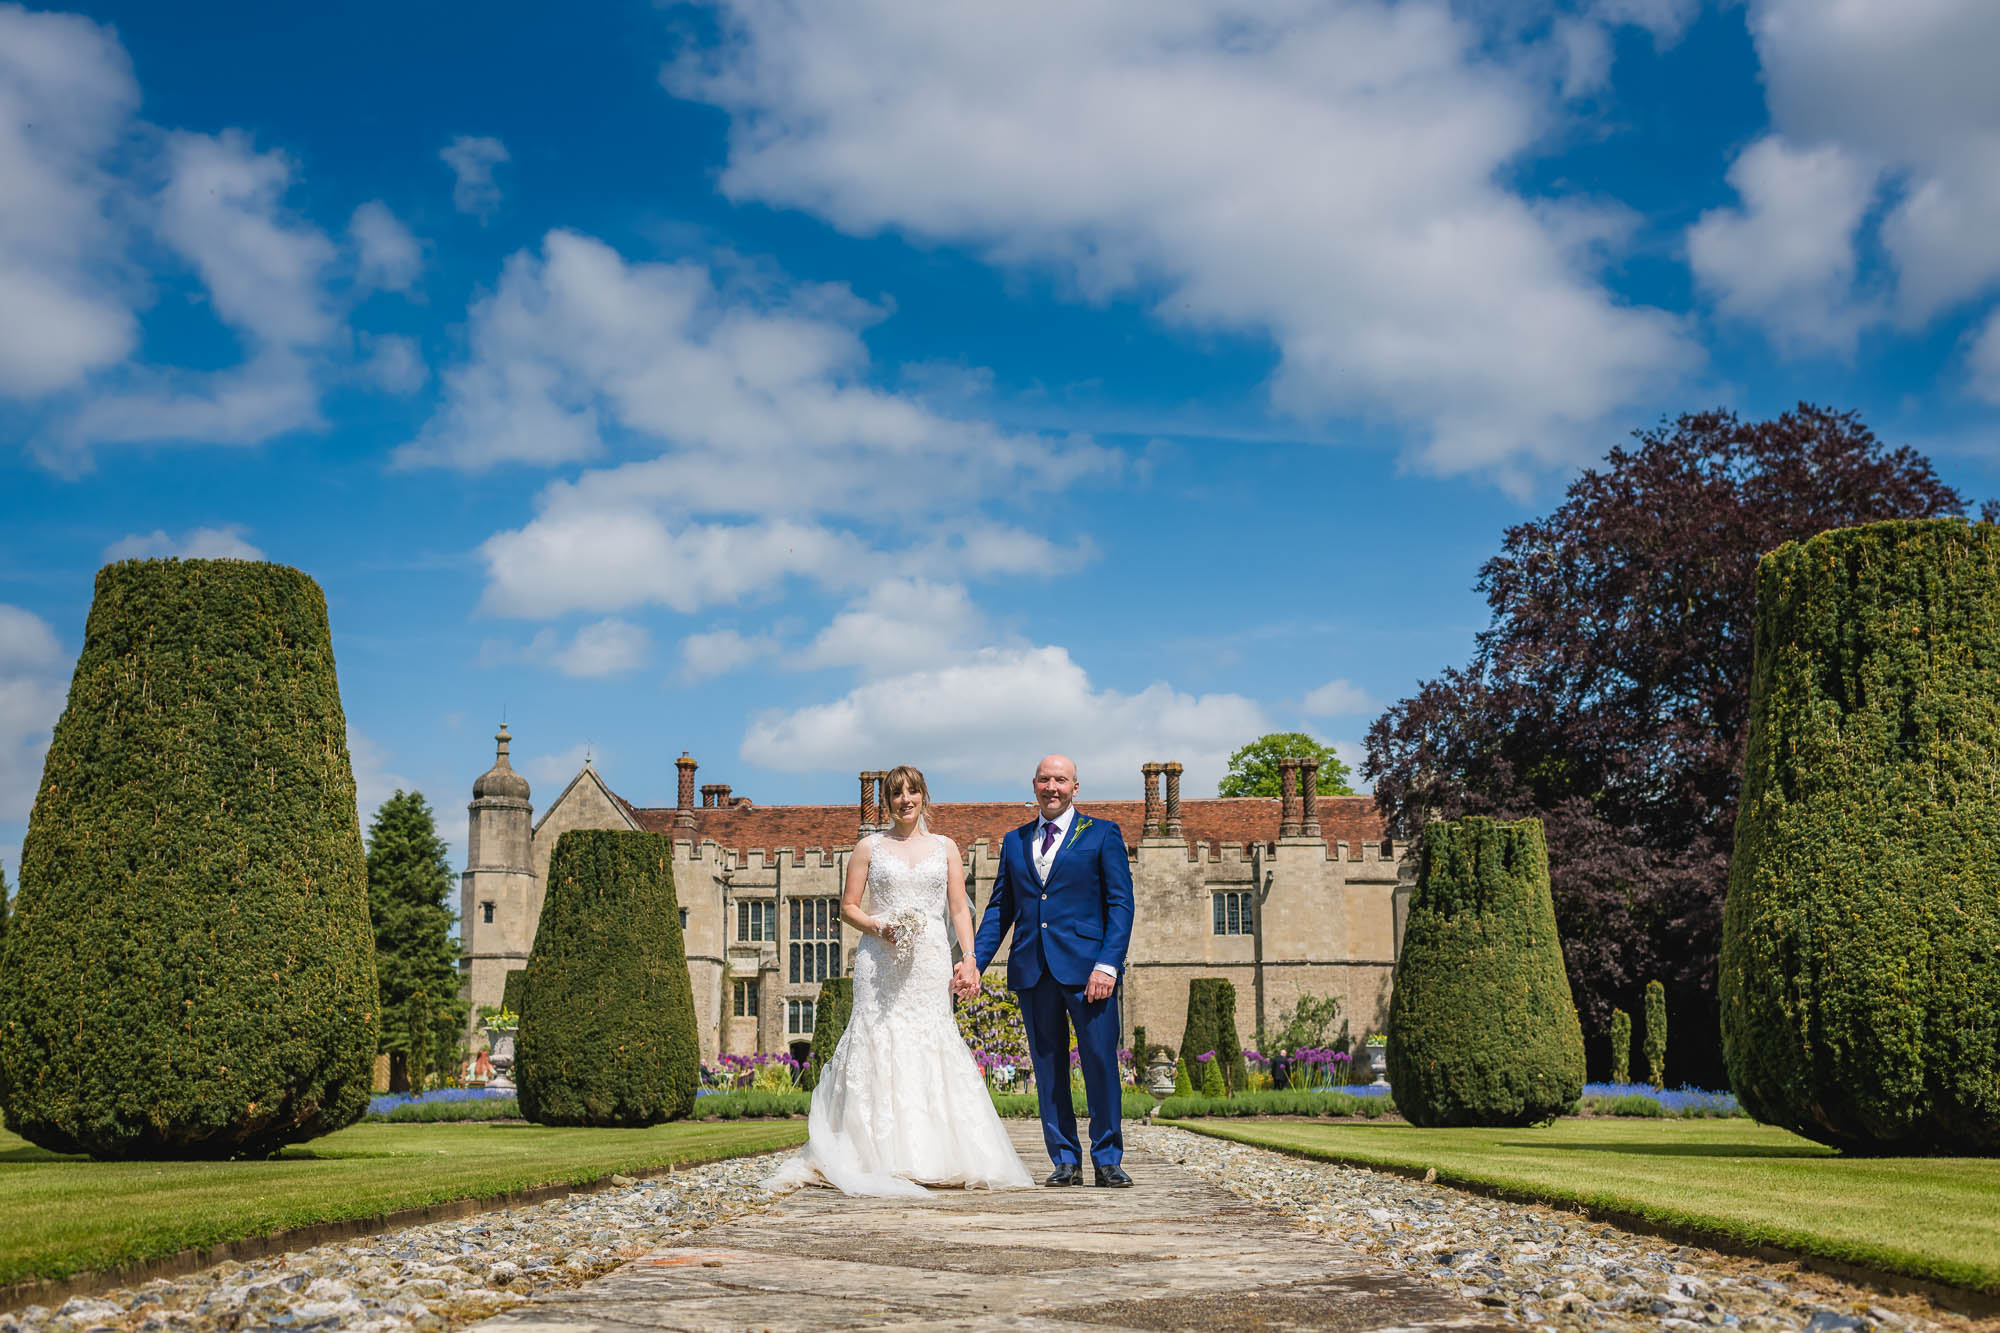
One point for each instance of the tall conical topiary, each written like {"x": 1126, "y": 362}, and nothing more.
{"x": 1656, "y": 1034}
{"x": 190, "y": 972}
{"x": 1482, "y": 1030}
{"x": 1860, "y": 969}
{"x": 1621, "y": 1046}
{"x": 514, "y": 990}
{"x": 607, "y": 1026}
{"x": 1211, "y": 1026}
{"x": 836, "y": 1002}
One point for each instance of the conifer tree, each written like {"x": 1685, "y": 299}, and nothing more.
{"x": 189, "y": 970}
{"x": 1621, "y": 1046}
{"x": 1656, "y": 1034}
{"x": 1211, "y": 1077}
{"x": 409, "y": 906}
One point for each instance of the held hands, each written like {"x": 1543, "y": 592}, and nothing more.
{"x": 964, "y": 979}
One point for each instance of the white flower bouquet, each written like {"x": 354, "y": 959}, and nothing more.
{"x": 903, "y": 925}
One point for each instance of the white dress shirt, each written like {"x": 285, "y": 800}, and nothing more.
{"x": 1045, "y": 861}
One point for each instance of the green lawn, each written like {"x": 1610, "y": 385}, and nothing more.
{"x": 62, "y": 1215}
{"x": 1936, "y": 1218}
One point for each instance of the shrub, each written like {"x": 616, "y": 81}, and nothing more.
{"x": 1183, "y": 1085}
{"x": 190, "y": 971}
{"x": 1482, "y": 1030}
{"x": 1860, "y": 974}
{"x": 1185, "y": 1107}
{"x": 836, "y": 1002}
{"x": 1656, "y": 1034}
{"x": 1621, "y": 1046}
{"x": 607, "y": 1035}
{"x": 1212, "y": 1084}
{"x": 1211, "y": 1026}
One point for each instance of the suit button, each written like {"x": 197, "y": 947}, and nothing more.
{"x": 1045, "y": 897}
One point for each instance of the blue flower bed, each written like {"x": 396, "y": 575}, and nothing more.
{"x": 389, "y": 1101}
{"x": 1675, "y": 1101}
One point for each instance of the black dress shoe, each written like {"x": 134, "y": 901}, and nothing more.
{"x": 1066, "y": 1173}
{"x": 1113, "y": 1177}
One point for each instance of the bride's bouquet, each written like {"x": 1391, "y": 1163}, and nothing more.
{"x": 905, "y": 924}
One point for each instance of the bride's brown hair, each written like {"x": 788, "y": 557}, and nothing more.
{"x": 905, "y": 778}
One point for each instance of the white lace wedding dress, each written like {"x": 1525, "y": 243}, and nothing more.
{"x": 901, "y": 1103}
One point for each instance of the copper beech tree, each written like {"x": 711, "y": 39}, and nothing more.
{"x": 1610, "y": 693}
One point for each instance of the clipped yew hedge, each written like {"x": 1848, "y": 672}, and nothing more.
{"x": 1211, "y": 1026}
{"x": 1482, "y": 1030}
{"x": 607, "y": 1034}
{"x": 1860, "y": 967}
{"x": 513, "y": 989}
{"x": 836, "y": 1002}
{"x": 191, "y": 970}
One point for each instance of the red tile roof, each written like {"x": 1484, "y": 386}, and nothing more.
{"x": 1220, "y": 820}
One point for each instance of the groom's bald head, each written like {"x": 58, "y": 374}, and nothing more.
{"x": 1055, "y": 785}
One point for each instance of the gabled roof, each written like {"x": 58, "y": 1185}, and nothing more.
{"x": 1224, "y": 821}
{"x": 588, "y": 773}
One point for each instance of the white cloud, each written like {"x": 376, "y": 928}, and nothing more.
{"x": 1785, "y": 257}
{"x": 388, "y": 255}
{"x": 1353, "y": 754}
{"x": 223, "y": 208}
{"x": 988, "y": 718}
{"x": 224, "y": 543}
{"x": 375, "y": 778}
{"x": 1983, "y": 360}
{"x": 1339, "y": 698}
{"x": 67, "y": 97}
{"x": 609, "y": 647}
{"x": 394, "y": 364}
{"x": 1325, "y": 175}
{"x": 1904, "y": 95}
{"x": 719, "y": 652}
{"x": 778, "y": 460}
{"x": 472, "y": 159}
{"x": 273, "y": 393}
{"x": 34, "y": 681}
{"x": 900, "y": 625}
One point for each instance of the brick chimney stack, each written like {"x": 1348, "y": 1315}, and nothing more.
{"x": 708, "y": 791}
{"x": 1309, "y": 798}
{"x": 684, "y": 805}
{"x": 868, "y": 806}
{"x": 1288, "y": 798}
{"x": 1156, "y": 814}
{"x": 1173, "y": 771}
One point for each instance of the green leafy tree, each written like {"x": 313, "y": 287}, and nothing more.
{"x": 1860, "y": 979}
{"x": 190, "y": 972}
{"x": 607, "y": 1033}
{"x": 1253, "y": 770}
{"x": 1656, "y": 1034}
{"x": 1621, "y": 1046}
{"x": 1481, "y": 1027}
{"x": 409, "y": 906}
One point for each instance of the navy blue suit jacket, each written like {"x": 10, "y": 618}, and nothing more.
{"x": 1066, "y": 927}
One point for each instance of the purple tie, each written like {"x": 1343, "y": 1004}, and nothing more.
{"x": 1049, "y": 832}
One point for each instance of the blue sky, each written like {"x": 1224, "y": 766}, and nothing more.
{"x": 925, "y": 384}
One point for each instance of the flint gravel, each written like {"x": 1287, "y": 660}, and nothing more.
{"x": 1540, "y": 1267}
{"x": 430, "y": 1278}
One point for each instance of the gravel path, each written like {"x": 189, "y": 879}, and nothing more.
{"x": 1539, "y": 1266}
{"x": 430, "y": 1278}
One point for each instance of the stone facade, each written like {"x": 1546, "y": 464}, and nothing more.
{"x": 1284, "y": 897}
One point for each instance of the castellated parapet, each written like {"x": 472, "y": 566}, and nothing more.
{"x": 1285, "y": 897}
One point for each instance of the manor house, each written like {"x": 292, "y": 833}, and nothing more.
{"x": 1301, "y": 894}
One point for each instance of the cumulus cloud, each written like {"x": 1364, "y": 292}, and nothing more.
{"x": 775, "y": 458}
{"x": 1983, "y": 360}
{"x": 1895, "y": 104}
{"x": 720, "y": 651}
{"x": 1339, "y": 698}
{"x": 898, "y": 625}
{"x": 393, "y": 363}
{"x": 388, "y": 256}
{"x": 1200, "y": 156}
{"x": 67, "y": 97}
{"x": 1785, "y": 257}
{"x": 34, "y": 680}
{"x": 472, "y": 159}
{"x": 608, "y": 647}
{"x": 273, "y": 393}
{"x": 988, "y": 718}
{"x": 224, "y": 543}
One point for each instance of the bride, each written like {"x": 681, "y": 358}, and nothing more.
{"x": 901, "y": 1104}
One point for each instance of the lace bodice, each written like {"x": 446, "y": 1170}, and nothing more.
{"x": 897, "y": 884}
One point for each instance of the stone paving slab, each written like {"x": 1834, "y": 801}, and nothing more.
{"x": 1175, "y": 1254}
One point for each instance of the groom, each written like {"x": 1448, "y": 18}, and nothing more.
{"x": 1064, "y": 887}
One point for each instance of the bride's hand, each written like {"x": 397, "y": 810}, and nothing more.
{"x": 886, "y": 933}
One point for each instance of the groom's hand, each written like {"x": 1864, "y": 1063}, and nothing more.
{"x": 964, "y": 978}
{"x": 1099, "y": 987}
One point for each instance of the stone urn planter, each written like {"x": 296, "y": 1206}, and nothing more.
{"x": 502, "y": 1053}
{"x": 1160, "y": 1077}
{"x": 1378, "y": 1063}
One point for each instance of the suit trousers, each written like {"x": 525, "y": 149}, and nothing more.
{"x": 1048, "y": 1008}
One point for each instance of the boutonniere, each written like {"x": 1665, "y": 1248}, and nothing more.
{"x": 1076, "y": 832}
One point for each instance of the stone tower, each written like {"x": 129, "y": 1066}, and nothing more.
{"x": 497, "y": 906}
